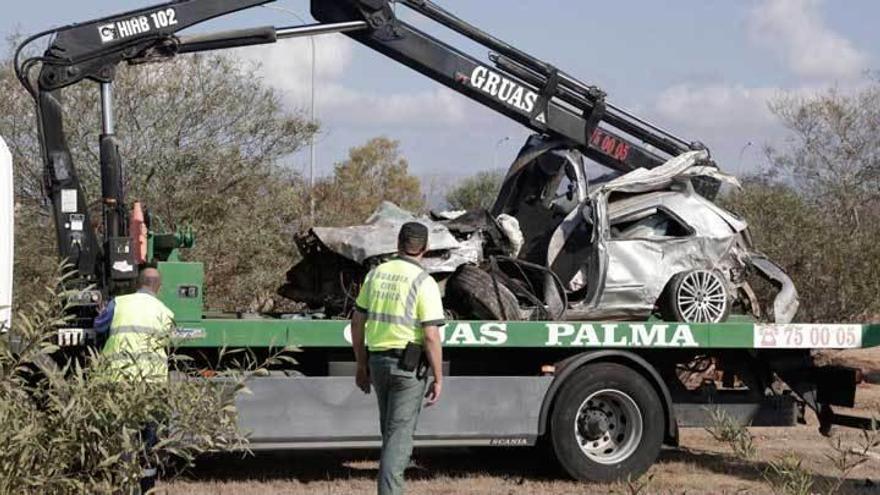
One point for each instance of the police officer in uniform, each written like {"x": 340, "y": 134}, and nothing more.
{"x": 137, "y": 328}
{"x": 399, "y": 305}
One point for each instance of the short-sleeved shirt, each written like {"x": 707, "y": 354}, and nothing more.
{"x": 399, "y": 298}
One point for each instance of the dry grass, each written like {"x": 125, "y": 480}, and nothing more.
{"x": 702, "y": 466}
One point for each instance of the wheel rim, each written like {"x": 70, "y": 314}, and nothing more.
{"x": 608, "y": 426}
{"x": 701, "y": 297}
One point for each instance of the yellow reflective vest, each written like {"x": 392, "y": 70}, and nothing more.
{"x": 139, "y": 333}
{"x": 399, "y": 298}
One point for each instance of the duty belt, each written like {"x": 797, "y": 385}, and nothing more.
{"x": 388, "y": 353}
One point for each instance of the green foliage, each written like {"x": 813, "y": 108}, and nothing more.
{"x": 476, "y": 192}
{"x": 373, "y": 173}
{"x": 203, "y": 143}
{"x": 788, "y": 476}
{"x": 36, "y": 254}
{"x": 834, "y": 267}
{"x": 726, "y": 429}
{"x": 68, "y": 429}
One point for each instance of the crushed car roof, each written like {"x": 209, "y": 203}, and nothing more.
{"x": 361, "y": 242}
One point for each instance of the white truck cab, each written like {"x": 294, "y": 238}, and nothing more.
{"x": 7, "y": 222}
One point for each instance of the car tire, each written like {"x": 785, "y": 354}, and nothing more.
{"x": 696, "y": 296}
{"x": 472, "y": 293}
{"x": 629, "y": 438}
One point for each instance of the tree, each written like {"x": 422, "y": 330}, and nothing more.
{"x": 816, "y": 209}
{"x": 833, "y": 154}
{"x": 203, "y": 144}
{"x": 476, "y": 192}
{"x": 373, "y": 173}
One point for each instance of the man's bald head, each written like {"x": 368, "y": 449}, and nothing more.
{"x": 150, "y": 279}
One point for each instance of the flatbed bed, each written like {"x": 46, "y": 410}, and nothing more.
{"x": 513, "y": 383}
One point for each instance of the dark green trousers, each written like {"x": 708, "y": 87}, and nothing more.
{"x": 400, "y": 394}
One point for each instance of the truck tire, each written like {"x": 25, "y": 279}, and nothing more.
{"x": 696, "y": 296}
{"x": 607, "y": 423}
{"x": 472, "y": 293}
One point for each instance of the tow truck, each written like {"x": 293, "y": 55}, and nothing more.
{"x": 606, "y": 395}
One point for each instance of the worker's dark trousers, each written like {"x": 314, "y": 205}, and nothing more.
{"x": 150, "y": 473}
{"x": 400, "y": 394}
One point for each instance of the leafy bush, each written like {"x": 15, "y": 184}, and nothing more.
{"x": 833, "y": 265}
{"x": 68, "y": 429}
{"x": 788, "y": 476}
{"x": 476, "y": 192}
{"x": 725, "y": 429}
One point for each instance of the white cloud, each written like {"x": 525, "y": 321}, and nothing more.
{"x": 439, "y": 106}
{"x": 734, "y": 119}
{"x": 716, "y": 107}
{"x": 287, "y": 67}
{"x": 795, "y": 29}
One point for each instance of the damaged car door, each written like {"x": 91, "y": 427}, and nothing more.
{"x": 638, "y": 243}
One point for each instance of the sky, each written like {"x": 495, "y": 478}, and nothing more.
{"x": 704, "y": 69}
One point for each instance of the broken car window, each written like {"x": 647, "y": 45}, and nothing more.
{"x": 653, "y": 223}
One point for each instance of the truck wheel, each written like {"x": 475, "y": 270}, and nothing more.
{"x": 607, "y": 423}
{"x": 472, "y": 293}
{"x": 697, "y": 296}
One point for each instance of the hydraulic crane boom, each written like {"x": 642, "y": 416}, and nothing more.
{"x": 92, "y": 50}
{"x": 511, "y": 82}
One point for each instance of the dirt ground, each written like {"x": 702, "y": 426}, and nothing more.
{"x": 700, "y": 466}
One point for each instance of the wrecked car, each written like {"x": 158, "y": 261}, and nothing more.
{"x": 556, "y": 245}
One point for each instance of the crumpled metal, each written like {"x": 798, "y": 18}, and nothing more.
{"x": 627, "y": 275}
{"x": 378, "y": 236}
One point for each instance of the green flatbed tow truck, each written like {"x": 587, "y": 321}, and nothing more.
{"x": 604, "y": 395}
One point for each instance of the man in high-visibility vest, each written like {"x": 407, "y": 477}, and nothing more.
{"x": 398, "y": 309}
{"x": 137, "y": 328}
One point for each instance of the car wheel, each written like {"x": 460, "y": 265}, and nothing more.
{"x": 472, "y": 293}
{"x": 607, "y": 423}
{"x": 697, "y": 296}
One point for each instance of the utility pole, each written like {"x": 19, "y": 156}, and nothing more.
{"x": 312, "y": 115}
{"x": 312, "y": 147}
